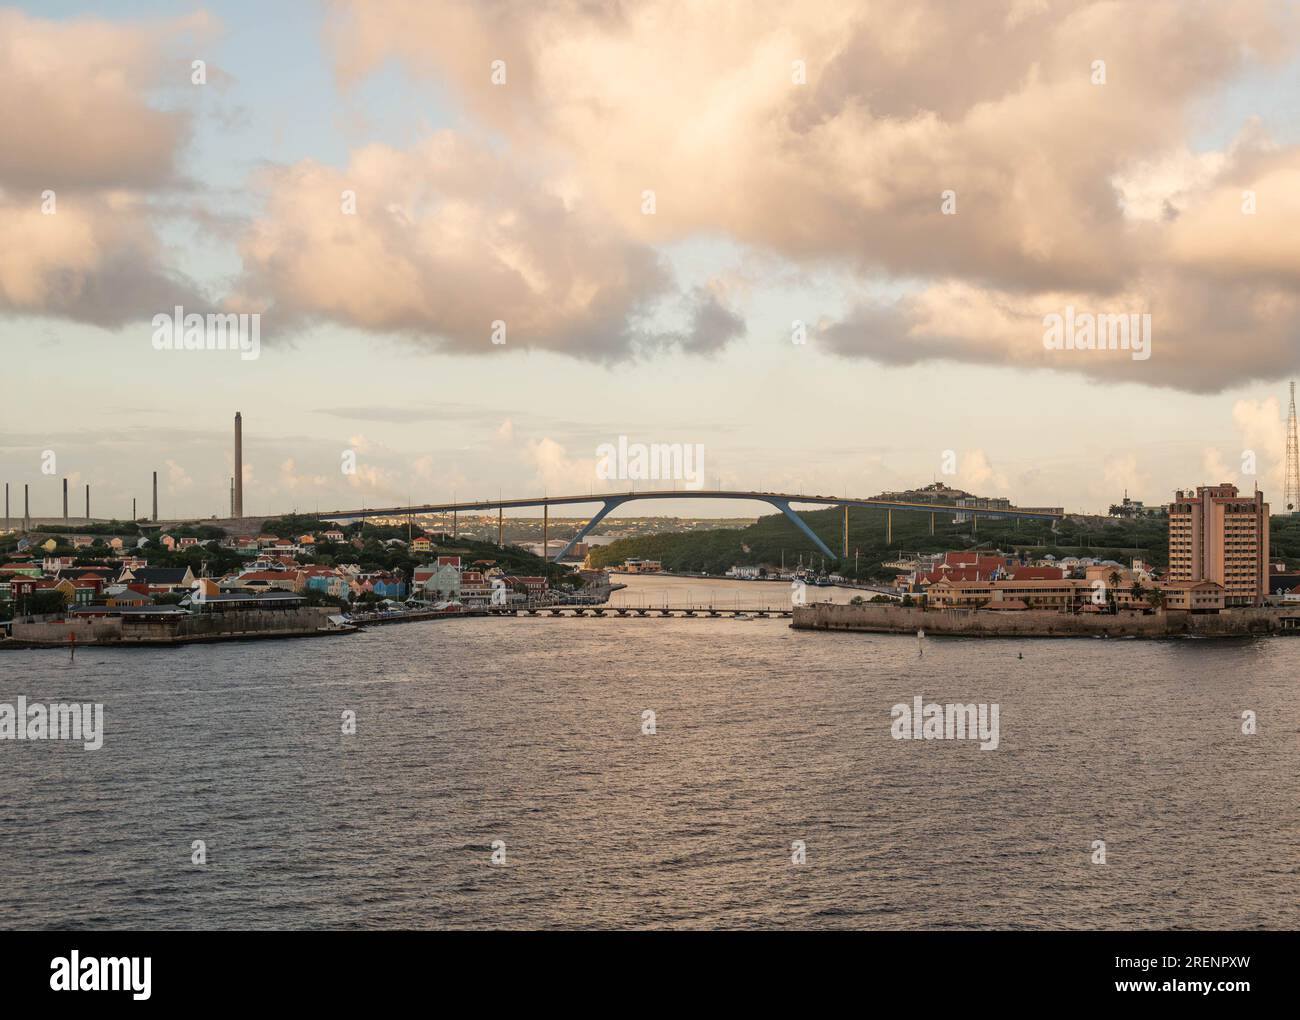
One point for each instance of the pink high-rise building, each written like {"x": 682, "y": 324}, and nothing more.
{"x": 1218, "y": 535}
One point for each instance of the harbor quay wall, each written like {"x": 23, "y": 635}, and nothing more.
{"x": 892, "y": 619}
{"x": 115, "y": 630}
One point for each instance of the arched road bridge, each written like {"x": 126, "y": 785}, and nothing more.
{"x": 612, "y": 500}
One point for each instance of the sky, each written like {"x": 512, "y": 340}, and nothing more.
{"x": 823, "y": 242}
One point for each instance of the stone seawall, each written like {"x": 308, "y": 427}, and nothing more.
{"x": 182, "y": 630}
{"x": 893, "y": 619}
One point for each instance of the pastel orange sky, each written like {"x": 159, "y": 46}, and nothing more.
{"x": 819, "y": 239}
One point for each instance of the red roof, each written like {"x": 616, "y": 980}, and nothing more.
{"x": 957, "y": 574}
{"x": 972, "y": 559}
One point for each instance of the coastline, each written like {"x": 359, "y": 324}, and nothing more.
{"x": 876, "y": 618}
{"x": 184, "y": 629}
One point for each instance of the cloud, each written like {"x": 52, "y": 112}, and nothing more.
{"x": 976, "y": 472}
{"x": 1205, "y": 335}
{"x": 84, "y": 152}
{"x": 450, "y": 238}
{"x": 178, "y": 478}
{"x": 1213, "y": 466}
{"x": 556, "y": 471}
{"x": 75, "y": 100}
{"x": 1261, "y": 427}
{"x": 1064, "y": 188}
{"x": 1123, "y": 474}
{"x": 291, "y": 480}
{"x": 96, "y": 259}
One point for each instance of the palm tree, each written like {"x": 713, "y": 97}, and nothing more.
{"x": 1112, "y": 588}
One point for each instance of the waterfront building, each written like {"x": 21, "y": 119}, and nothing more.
{"x": 127, "y": 597}
{"x": 440, "y": 583}
{"x": 1058, "y": 593}
{"x": 534, "y": 587}
{"x": 1193, "y": 596}
{"x": 1281, "y": 584}
{"x": 264, "y": 580}
{"x": 475, "y": 588}
{"x": 158, "y": 580}
{"x": 1216, "y": 534}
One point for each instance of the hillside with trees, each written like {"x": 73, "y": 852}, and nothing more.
{"x": 773, "y": 540}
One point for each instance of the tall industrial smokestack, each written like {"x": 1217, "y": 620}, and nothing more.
{"x": 6, "y": 506}
{"x": 65, "y": 501}
{"x": 155, "y": 495}
{"x": 27, "y": 510}
{"x": 1291, "y": 486}
{"x": 238, "y": 509}
{"x": 87, "y": 502}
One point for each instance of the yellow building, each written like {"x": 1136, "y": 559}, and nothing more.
{"x": 1193, "y": 596}
{"x": 1064, "y": 593}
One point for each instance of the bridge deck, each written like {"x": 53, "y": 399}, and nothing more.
{"x": 625, "y": 497}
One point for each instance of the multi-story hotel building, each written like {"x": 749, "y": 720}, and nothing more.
{"x": 1219, "y": 535}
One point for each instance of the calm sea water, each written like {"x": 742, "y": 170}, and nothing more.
{"x": 530, "y": 732}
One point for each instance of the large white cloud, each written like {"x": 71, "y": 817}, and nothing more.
{"x": 443, "y": 240}
{"x": 1064, "y": 187}
{"x": 84, "y": 150}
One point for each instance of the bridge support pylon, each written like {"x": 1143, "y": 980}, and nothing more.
{"x": 799, "y": 523}
{"x": 585, "y": 530}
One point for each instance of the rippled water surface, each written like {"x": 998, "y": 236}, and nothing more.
{"x": 529, "y": 731}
